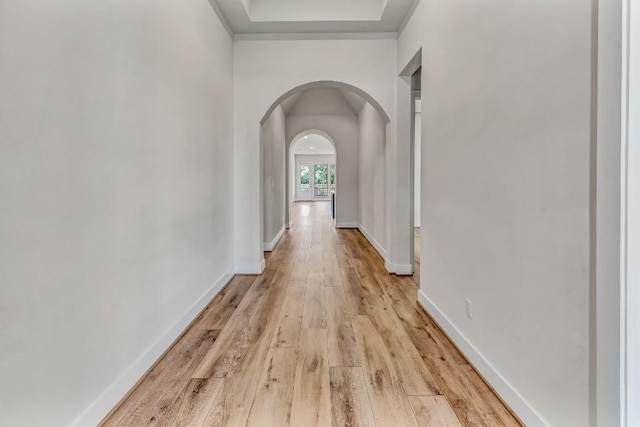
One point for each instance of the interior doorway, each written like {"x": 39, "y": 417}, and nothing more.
{"x": 313, "y": 171}
{"x": 416, "y": 172}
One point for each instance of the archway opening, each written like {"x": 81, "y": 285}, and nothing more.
{"x": 349, "y": 128}
{"x": 312, "y": 170}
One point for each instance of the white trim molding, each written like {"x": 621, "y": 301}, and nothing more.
{"x": 404, "y": 269}
{"x": 256, "y": 269}
{"x": 378, "y": 247}
{"x": 391, "y": 268}
{"x": 239, "y": 37}
{"x": 398, "y": 269}
{"x": 221, "y": 17}
{"x": 630, "y": 245}
{"x": 128, "y": 379}
{"x": 270, "y": 246}
{"x": 506, "y": 391}
{"x": 347, "y": 225}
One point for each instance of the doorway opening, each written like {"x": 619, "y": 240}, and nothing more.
{"x": 312, "y": 168}
{"x": 312, "y": 173}
{"x": 358, "y": 128}
{"x": 416, "y": 171}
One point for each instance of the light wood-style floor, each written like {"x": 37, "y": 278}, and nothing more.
{"x": 324, "y": 337}
{"x": 416, "y": 255}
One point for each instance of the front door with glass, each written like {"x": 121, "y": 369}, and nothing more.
{"x": 304, "y": 182}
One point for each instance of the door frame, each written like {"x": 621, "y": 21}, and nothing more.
{"x": 630, "y": 246}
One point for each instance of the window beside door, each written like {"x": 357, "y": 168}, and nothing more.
{"x": 321, "y": 180}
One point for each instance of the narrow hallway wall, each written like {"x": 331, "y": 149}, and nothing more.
{"x": 274, "y": 174}
{"x": 116, "y": 156}
{"x": 506, "y": 117}
{"x": 373, "y": 177}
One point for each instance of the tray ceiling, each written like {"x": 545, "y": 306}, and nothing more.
{"x": 314, "y": 16}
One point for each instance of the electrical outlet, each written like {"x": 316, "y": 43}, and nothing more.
{"x": 469, "y": 309}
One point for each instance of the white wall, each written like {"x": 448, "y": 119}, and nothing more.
{"x": 633, "y": 226}
{"x": 266, "y": 70}
{"x": 506, "y": 166}
{"x": 343, "y": 130}
{"x": 321, "y": 102}
{"x": 373, "y": 180}
{"x": 312, "y": 159}
{"x": 116, "y": 186}
{"x": 274, "y": 174}
{"x": 606, "y": 333}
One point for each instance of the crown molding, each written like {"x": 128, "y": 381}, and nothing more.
{"x": 314, "y": 36}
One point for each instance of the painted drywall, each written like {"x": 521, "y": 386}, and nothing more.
{"x": 343, "y": 130}
{"x": 373, "y": 180}
{"x": 506, "y": 178}
{"x": 322, "y": 102}
{"x": 116, "y": 182}
{"x": 274, "y": 174}
{"x": 633, "y": 223}
{"x": 606, "y": 333}
{"x": 266, "y": 70}
{"x": 311, "y": 160}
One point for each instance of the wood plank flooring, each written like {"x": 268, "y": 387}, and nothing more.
{"x": 416, "y": 254}
{"x": 323, "y": 337}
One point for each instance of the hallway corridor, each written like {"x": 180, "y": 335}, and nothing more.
{"x": 323, "y": 337}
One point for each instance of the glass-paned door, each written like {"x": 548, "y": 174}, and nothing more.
{"x": 332, "y": 180}
{"x": 321, "y": 183}
{"x": 304, "y": 181}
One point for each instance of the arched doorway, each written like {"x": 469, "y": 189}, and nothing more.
{"x": 312, "y": 166}
{"x": 349, "y": 123}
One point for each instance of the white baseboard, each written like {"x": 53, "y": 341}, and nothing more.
{"x": 347, "y": 225}
{"x": 398, "y": 269}
{"x": 404, "y": 269}
{"x": 515, "y": 401}
{"x": 391, "y": 268}
{"x": 268, "y": 247}
{"x": 250, "y": 268}
{"x": 125, "y": 382}
{"x": 378, "y": 247}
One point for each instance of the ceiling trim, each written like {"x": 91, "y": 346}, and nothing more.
{"x": 314, "y": 36}
{"x": 408, "y": 16}
{"x": 223, "y": 20}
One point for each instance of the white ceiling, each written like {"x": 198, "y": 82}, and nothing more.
{"x": 312, "y": 144}
{"x": 314, "y": 16}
